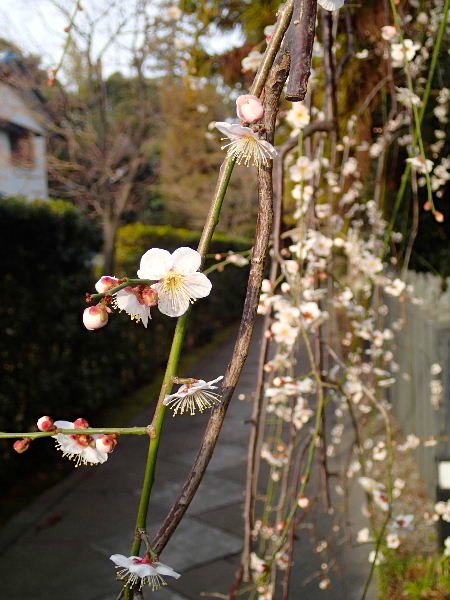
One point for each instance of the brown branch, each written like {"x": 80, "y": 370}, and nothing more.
{"x": 259, "y": 405}
{"x": 301, "y": 35}
{"x": 272, "y": 92}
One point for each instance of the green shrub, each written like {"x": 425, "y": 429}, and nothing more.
{"x": 414, "y": 577}
{"x": 49, "y": 363}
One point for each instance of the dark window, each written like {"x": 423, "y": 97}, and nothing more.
{"x": 21, "y": 142}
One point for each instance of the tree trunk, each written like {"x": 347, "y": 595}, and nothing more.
{"x": 110, "y": 226}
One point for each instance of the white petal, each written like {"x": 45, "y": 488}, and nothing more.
{"x": 185, "y": 260}
{"x": 268, "y": 146}
{"x": 198, "y": 285}
{"x": 64, "y": 425}
{"x": 121, "y": 561}
{"x": 93, "y": 456}
{"x": 166, "y": 570}
{"x": 331, "y": 4}
{"x": 154, "y": 264}
{"x": 170, "y": 304}
{"x": 143, "y": 570}
{"x": 213, "y": 381}
{"x": 234, "y": 131}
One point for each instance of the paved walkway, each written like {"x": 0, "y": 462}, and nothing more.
{"x": 59, "y": 546}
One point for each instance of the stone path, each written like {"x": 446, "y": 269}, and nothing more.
{"x": 59, "y": 546}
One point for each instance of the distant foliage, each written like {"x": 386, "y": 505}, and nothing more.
{"x": 49, "y": 363}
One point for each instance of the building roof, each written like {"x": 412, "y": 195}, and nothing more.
{"x": 23, "y": 105}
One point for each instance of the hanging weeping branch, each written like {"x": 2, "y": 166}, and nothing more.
{"x": 301, "y": 40}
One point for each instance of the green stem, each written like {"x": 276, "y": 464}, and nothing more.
{"x": 157, "y": 423}
{"x": 421, "y": 115}
{"x": 88, "y": 431}
{"x": 173, "y": 363}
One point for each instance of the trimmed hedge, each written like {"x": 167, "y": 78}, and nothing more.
{"x": 49, "y": 363}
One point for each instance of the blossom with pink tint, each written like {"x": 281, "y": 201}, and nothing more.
{"x": 137, "y": 572}
{"x": 249, "y": 108}
{"x": 245, "y": 146}
{"x": 95, "y": 317}
{"x": 106, "y": 443}
{"x": 45, "y": 424}
{"x": 199, "y": 395}
{"x": 106, "y": 283}
{"x": 79, "y": 447}
{"x": 331, "y": 4}
{"x": 136, "y": 302}
{"x": 20, "y": 446}
{"x": 388, "y": 32}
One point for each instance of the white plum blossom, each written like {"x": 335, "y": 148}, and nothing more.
{"x": 331, "y": 4}
{"x": 245, "y": 146}
{"x": 298, "y": 117}
{"x": 388, "y": 32}
{"x": 303, "y": 170}
{"x": 402, "y": 522}
{"x": 395, "y": 288}
{"x": 392, "y": 541}
{"x": 363, "y": 536}
{"x": 284, "y": 333}
{"x": 136, "y": 571}
{"x": 421, "y": 164}
{"x": 376, "y": 558}
{"x": 173, "y": 12}
{"x": 198, "y": 395}
{"x": 407, "y": 98}
{"x": 435, "y": 369}
{"x": 252, "y": 61}
{"x": 179, "y": 282}
{"x": 443, "y": 510}
{"x": 350, "y": 167}
{"x": 136, "y": 302}
{"x": 78, "y": 447}
{"x": 404, "y": 52}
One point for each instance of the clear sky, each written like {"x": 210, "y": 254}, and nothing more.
{"x": 37, "y": 26}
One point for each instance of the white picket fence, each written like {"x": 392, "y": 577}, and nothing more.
{"x": 423, "y": 342}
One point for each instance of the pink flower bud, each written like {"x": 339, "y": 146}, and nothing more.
{"x": 80, "y": 423}
{"x": 149, "y": 296}
{"x": 83, "y": 440}
{"x": 439, "y": 217}
{"x": 106, "y": 283}
{"x": 21, "y": 446}
{"x": 45, "y": 424}
{"x": 106, "y": 443}
{"x": 95, "y": 317}
{"x": 249, "y": 108}
{"x": 303, "y": 502}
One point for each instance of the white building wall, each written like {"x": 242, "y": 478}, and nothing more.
{"x": 15, "y": 180}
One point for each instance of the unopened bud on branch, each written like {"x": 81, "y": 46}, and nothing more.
{"x": 106, "y": 443}
{"x": 106, "y": 283}
{"x": 249, "y": 108}
{"x": 149, "y": 296}
{"x": 95, "y": 317}
{"x": 45, "y": 424}
{"x": 20, "y": 446}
